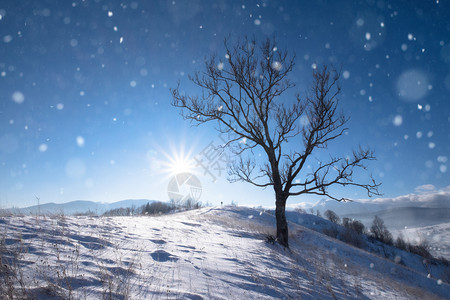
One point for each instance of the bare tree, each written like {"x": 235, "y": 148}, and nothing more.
{"x": 332, "y": 216}
{"x": 380, "y": 231}
{"x": 245, "y": 94}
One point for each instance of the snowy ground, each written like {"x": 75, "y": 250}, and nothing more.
{"x": 211, "y": 253}
{"x": 436, "y": 236}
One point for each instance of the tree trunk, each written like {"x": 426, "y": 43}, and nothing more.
{"x": 282, "y": 226}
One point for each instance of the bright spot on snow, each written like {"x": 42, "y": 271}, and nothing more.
{"x": 75, "y": 168}
{"x": 418, "y": 134}
{"x": 346, "y": 74}
{"x": 404, "y": 47}
{"x": 412, "y": 85}
{"x": 257, "y": 22}
{"x": 430, "y": 134}
{"x": 371, "y": 265}
{"x": 59, "y": 106}
{"x": 133, "y": 83}
{"x": 398, "y": 120}
{"x": 443, "y": 168}
{"x": 18, "y": 97}
{"x": 410, "y": 36}
{"x": 121, "y": 40}
{"x": 439, "y": 282}
{"x": 362, "y": 92}
{"x": 82, "y": 93}
{"x": 43, "y": 147}
{"x": 419, "y": 107}
{"x": 80, "y": 141}
{"x": 277, "y": 66}
{"x": 115, "y": 28}
{"x": 110, "y": 14}
{"x": 314, "y": 66}
{"x": 381, "y": 24}
{"x": 368, "y": 36}
{"x": 227, "y": 56}
{"x": 220, "y": 66}
{"x": 431, "y": 145}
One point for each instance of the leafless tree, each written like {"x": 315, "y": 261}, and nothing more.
{"x": 380, "y": 231}
{"x": 332, "y": 216}
{"x": 246, "y": 95}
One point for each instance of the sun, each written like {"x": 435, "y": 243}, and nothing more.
{"x": 179, "y": 162}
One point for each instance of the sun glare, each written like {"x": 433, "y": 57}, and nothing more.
{"x": 179, "y": 162}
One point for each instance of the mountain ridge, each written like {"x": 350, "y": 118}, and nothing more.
{"x": 78, "y": 206}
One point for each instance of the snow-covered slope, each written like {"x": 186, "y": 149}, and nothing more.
{"x": 210, "y": 253}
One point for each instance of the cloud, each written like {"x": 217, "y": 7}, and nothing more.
{"x": 425, "y": 196}
{"x": 425, "y": 188}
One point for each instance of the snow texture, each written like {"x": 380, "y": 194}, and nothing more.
{"x": 210, "y": 253}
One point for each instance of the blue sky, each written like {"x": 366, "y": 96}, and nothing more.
{"x": 85, "y": 104}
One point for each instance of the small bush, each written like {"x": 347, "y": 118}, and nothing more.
{"x": 331, "y": 231}
{"x": 332, "y": 216}
{"x": 380, "y": 232}
{"x": 156, "y": 208}
{"x": 352, "y": 237}
{"x": 270, "y": 239}
{"x": 354, "y": 225}
{"x": 421, "y": 250}
{"x": 400, "y": 243}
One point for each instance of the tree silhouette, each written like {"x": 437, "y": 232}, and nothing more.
{"x": 245, "y": 94}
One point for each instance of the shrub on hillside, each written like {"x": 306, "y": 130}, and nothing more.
{"x": 380, "y": 232}
{"x": 354, "y": 225}
{"x": 352, "y": 237}
{"x": 421, "y": 250}
{"x": 155, "y": 208}
{"x": 332, "y": 216}
{"x": 331, "y": 231}
{"x": 400, "y": 243}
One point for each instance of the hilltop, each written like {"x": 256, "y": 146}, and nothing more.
{"x": 209, "y": 253}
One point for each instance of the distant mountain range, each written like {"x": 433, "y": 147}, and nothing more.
{"x": 395, "y": 215}
{"x": 78, "y": 206}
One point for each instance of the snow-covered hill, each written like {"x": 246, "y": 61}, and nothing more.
{"x": 395, "y": 215}
{"x": 210, "y": 253}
